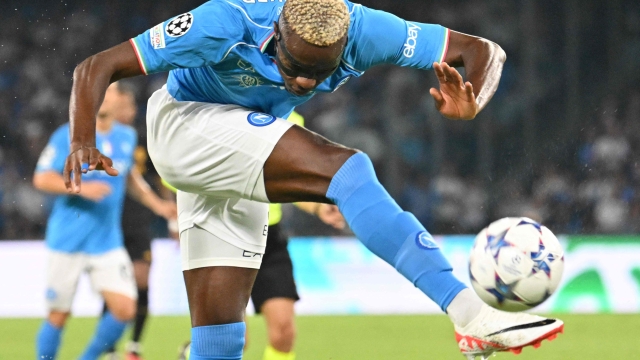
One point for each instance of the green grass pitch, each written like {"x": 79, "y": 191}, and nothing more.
{"x": 352, "y": 338}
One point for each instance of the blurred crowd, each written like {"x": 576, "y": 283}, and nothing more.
{"x": 516, "y": 159}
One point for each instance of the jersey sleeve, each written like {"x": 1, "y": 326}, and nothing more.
{"x": 55, "y": 153}
{"x": 378, "y": 37}
{"x": 195, "y": 39}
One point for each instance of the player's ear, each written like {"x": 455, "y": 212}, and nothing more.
{"x": 276, "y": 30}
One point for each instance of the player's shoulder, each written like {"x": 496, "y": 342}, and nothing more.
{"x": 261, "y": 13}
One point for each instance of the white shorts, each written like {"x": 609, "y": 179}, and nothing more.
{"x": 111, "y": 271}
{"x": 214, "y": 155}
{"x": 199, "y": 248}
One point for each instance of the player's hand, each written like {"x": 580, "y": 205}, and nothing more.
{"x": 455, "y": 99}
{"x": 330, "y": 215}
{"x": 95, "y": 190}
{"x": 84, "y": 155}
{"x": 166, "y": 209}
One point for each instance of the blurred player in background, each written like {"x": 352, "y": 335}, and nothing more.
{"x": 84, "y": 233}
{"x": 216, "y": 132}
{"x": 136, "y": 224}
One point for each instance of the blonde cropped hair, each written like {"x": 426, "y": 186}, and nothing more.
{"x": 318, "y": 22}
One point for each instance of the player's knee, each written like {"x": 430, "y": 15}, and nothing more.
{"x": 58, "y": 319}
{"x": 355, "y": 173}
{"x": 282, "y": 335}
{"x": 124, "y": 310}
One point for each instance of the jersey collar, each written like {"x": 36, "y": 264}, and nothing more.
{"x": 266, "y": 42}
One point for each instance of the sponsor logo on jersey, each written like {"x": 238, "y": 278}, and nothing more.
{"x": 425, "y": 240}
{"x": 180, "y": 25}
{"x": 260, "y": 119}
{"x": 245, "y": 66}
{"x": 157, "y": 37}
{"x": 249, "y": 81}
{"x": 412, "y": 40}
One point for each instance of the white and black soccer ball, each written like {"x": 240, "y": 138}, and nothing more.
{"x": 515, "y": 264}
{"x": 179, "y": 25}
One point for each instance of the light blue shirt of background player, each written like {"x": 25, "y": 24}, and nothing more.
{"x": 78, "y": 224}
{"x": 219, "y": 52}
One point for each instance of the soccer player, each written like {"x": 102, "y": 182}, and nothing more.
{"x": 136, "y": 225}
{"x": 216, "y": 132}
{"x": 84, "y": 233}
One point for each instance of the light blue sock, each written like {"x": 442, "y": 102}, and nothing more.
{"x": 394, "y": 235}
{"x": 48, "y": 341}
{"x": 107, "y": 334}
{"x": 217, "y": 342}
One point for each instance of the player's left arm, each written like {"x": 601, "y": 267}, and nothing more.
{"x": 379, "y": 37}
{"x": 482, "y": 61}
{"x": 140, "y": 190}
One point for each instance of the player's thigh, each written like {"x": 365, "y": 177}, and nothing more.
{"x": 301, "y": 166}
{"x": 238, "y": 222}
{"x": 63, "y": 273}
{"x": 112, "y": 272}
{"x": 218, "y": 277}
{"x": 211, "y": 149}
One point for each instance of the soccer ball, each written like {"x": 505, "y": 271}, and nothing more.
{"x": 515, "y": 264}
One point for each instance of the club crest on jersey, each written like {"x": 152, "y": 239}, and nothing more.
{"x": 425, "y": 240}
{"x": 260, "y": 119}
{"x": 180, "y": 25}
{"x": 249, "y": 81}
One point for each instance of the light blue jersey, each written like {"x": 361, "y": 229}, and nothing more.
{"x": 216, "y": 53}
{"x": 80, "y": 225}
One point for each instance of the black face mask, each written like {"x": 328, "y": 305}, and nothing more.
{"x": 295, "y": 69}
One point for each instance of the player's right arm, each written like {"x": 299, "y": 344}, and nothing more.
{"x": 90, "y": 81}
{"x": 214, "y": 28}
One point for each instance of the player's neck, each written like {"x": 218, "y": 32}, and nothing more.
{"x": 104, "y": 126}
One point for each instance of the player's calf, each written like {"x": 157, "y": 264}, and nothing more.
{"x": 394, "y": 235}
